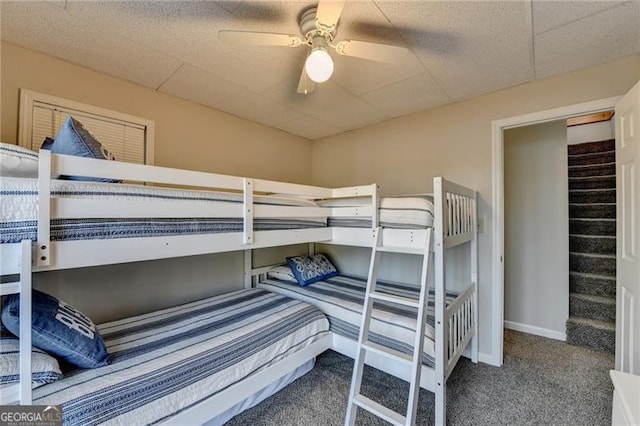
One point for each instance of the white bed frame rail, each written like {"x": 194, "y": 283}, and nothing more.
{"x": 73, "y": 254}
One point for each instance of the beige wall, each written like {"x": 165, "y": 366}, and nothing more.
{"x": 188, "y": 136}
{"x": 536, "y": 229}
{"x": 402, "y": 155}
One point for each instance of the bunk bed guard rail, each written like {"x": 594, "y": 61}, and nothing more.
{"x": 51, "y": 207}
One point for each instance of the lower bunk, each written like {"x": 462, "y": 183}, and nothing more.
{"x": 341, "y": 299}
{"x": 202, "y": 362}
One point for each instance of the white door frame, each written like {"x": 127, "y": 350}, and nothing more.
{"x": 497, "y": 199}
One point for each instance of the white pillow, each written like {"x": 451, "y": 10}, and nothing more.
{"x": 16, "y": 161}
{"x": 44, "y": 367}
{"x": 282, "y": 273}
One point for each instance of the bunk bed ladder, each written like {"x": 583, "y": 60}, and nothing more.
{"x": 21, "y": 391}
{"x": 357, "y": 400}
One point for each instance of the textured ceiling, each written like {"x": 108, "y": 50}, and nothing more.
{"x": 457, "y": 50}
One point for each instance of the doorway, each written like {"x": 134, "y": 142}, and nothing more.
{"x": 498, "y": 128}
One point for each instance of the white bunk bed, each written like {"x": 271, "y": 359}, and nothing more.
{"x": 454, "y": 316}
{"x": 454, "y": 224}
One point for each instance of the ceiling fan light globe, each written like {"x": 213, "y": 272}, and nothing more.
{"x": 319, "y": 65}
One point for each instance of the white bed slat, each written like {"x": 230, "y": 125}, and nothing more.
{"x": 9, "y": 288}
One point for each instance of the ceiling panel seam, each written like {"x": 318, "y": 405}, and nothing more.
{"x": 169, "y": 77}
{"x": 616, "y": 5}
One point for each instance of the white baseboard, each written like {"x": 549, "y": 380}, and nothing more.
{"x": 538, "y": 331}
{"x": 488, "y": 359}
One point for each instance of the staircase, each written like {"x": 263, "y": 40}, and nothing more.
{"x": 592, "y": 245}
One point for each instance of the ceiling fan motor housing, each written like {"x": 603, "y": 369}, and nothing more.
{"x": 311, "y": 29}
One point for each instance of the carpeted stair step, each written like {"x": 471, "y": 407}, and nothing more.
{"x": 591, "y": 147}
{"x": 592, "y": 158}
{"x": 603, "y": 227}
{"x": 592, "y": 182}
{"x": 597, "y": 285}
{"x": 598, "y": 335}
{"x": 592, "y": 196}
{"x": 592, "y": 244}
{"x": 606, "y": 169}
{"x": 592, "y": 210}
{"x": 599, "y": 308}
{"x": 601, "y": 264}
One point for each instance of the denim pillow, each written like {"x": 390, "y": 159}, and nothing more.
{"x": 59, "y": 329}
{"x": 310, "y": 269}
{"x": 44, "y": 367}
{"x": 74, "y": 139}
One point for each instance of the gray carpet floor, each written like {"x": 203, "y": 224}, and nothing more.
{"x": 542, "y": 382}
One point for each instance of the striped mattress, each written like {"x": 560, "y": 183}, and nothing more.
{"x": 18, "y": 212}
{"x": 403, "y": 212}
{"x": 166, "y": 361}
{"x": 341, "y": 298}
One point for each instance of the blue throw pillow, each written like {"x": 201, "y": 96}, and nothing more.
{"x": 310, "y": 269}
{"x": 59, "y": 329}
{"x": 74, "y": 139}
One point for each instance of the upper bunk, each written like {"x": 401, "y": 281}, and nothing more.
{"x": 162, "y": 212}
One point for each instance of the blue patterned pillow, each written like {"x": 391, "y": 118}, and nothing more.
{"x": 44, "y": 367}
{"x": 310, "y": 269}
{"x": 59, "y": 329}
{"x": 74, "y": 139}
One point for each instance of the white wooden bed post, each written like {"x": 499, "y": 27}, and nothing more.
{"x": 22, "y": 391}
{"x": 440, "y": 324}
{"x": 247, "y": 213}
{"x": 474, "y": 277}
{"x": 248, "y": 267}
{"x": 25, "y": 324}
{"x": 43, "y": 255}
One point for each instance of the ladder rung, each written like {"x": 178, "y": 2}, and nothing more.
{"x": 388, "y": 352}
{"x": 379, "y": 410}
{"x": 404, "y": 250}
{"x": 398, "y": 300}
{"x": 9, "y": 288}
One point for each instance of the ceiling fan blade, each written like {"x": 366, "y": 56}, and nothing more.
{"x": 250, "y": 38}
{"x": 372, "y": 51}
{"x": 328, "y": 13}
{"x": 305, "y": 85}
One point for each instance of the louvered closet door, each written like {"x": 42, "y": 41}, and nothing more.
{"x": 125, "y": 140}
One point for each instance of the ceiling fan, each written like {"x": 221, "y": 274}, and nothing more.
{"x": 318, "y": 28}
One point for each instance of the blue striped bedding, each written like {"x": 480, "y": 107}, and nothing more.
{"x": 402, "y": 212}
{"x": 167, "y": 361}
{"x": 18, "y": 213}
{"x": 341, "y": 298}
